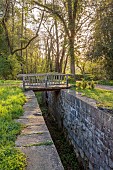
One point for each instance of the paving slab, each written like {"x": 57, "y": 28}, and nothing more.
{"x": 27, "y": 114}
{"x": 35, "y": 140}
{"x": 43, "y": 158}
{"x": 34, "y": 129}
{"x": 31, "y": 121}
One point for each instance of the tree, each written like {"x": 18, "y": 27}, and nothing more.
{"x": 71, "y": 7}
{"x": 15, "y": 35}
{"x": 102, "y": 43}
{"x": 55, "y": 43}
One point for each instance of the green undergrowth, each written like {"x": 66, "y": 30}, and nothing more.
{"x": 11, "y": 102}
{"x": 103, "y": 97}
{"x": 11, "y": 159}
{"x": 85, "y": 84}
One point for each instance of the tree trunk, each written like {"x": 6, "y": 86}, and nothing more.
{"x": 22, "y": 29}
{"x": 63, "y": 54}
{"x": 72, "y": 55}
{"x": 57, "y": 69}
{"x": 65, "y": 65}
{"x": 13, "y": 23}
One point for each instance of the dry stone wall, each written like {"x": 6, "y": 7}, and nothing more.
{"x": 89, "y": 129}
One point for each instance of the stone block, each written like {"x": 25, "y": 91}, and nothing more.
{"x": 91, "y": 166}
{"x": 78, "y": 103}
{"x": 101, "y": 168}
{"x": 81, "y": 153}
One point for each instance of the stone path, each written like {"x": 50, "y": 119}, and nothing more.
{"x": 35, "y": 140}
{"x": 104, "y": 87}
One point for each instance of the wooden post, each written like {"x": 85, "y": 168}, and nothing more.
{"x": 67, "y": 80}
{"x": 46, "y": 81}
{"x": 59, "y": 79}
{"x": 23, "y": 82}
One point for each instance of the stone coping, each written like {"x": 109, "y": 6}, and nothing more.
{"x": 87, "y": 100}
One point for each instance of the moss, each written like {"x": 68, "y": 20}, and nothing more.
{"x": 46, "y": 143}
{"x": 37, "y": 133}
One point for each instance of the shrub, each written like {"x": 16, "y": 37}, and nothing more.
{"x": 11, "y": 159}
{"x": 92, "y": 85}
{"x": 8, "y": 131}
{"x": 84, "y": 84}
{"x": 79, "y": 85}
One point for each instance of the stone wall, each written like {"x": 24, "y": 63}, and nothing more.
{"x": 89, "y": 129}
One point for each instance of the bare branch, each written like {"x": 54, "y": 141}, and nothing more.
{"x": 56, "y": 13}
{"x": 31, "y": 38}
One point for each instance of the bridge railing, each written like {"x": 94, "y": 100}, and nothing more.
{"x": 44, "y": 80}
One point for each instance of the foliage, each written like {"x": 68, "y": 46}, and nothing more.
{"x": 91, "y": 85}
{"x": 85, "y": 84}
{"x": 3, "y": 42}
{"x": 62, "y": 43}
{"x": 102, "y": 44}
{"x": 8, "y": 132}
{"x": 9, "y": 67}
{"x": 78, "y": 77}
{"x": 79, "y": 85}
{"x": 11, "y": 159}
{"x": 11, "y": 101}
{"x": 95, "y": 69}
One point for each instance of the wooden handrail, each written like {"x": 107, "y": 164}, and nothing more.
{"x": 45, "y": 79}
{"x": 43, "y": 74}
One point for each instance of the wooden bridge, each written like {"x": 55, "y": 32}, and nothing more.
{"x": 45, "y": 82}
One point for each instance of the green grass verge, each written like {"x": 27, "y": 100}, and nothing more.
{"x": 11, "y": 102}
{"x": 104, "y": 98}
{"x": 106, "y": 82}
{"x": 10, "y": 82}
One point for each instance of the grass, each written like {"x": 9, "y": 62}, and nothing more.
{"x": 46, "y": 143}
{"x": 28, "y": 134}
{"x": 11, "y": 102}
{"x": 106, "y": 82}
{"x": 104, "y": 98}
{"x": 10, "y": 82}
